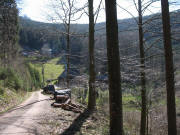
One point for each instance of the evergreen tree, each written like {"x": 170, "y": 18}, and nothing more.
{"x": 8, "y": 30}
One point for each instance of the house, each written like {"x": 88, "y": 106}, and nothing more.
{"x": 46, "y": 50}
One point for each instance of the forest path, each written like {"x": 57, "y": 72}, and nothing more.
{"x": 23, "y": 120}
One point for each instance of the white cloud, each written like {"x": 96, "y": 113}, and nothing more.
{"x": 33, "y": 9}
{"x": 37, "y": 9}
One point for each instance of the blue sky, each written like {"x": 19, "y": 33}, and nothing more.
{"x": 39, "y": 9}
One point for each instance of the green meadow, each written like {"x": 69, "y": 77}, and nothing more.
{"x": 51, "y": 68}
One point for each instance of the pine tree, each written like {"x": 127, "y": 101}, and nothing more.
{"x": 8, "y": 30}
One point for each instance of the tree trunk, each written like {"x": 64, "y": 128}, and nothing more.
{"x": 92, "y": 92}
{"x": 171, "y": 106}
{"x": 68, "y": 25}
{"x": 43, "y": 74}
{"x": 142, "y": 73}
{"x": 115, "y": 92}
{"x": 68, "y": 56}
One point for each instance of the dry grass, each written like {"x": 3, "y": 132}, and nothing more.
{"x": 131, "y": 122}
{"x": 10, "y": 99}
{"x": 157, "y": 122}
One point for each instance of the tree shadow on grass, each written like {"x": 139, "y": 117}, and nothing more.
{"x": 77, "y": 123}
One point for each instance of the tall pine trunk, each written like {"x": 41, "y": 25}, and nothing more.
{"x": 142, "y": 72}
{"x": 92, "y": 92}
{"x": 115, "y": 92}
{"x": 171, "y": 106}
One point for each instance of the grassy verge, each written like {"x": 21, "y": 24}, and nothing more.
{"x": 10, "y": 99}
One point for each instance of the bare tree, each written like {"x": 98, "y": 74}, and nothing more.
{"x": 65, "y": 11}
{"x": 92, "y": 76}
{"x": 171, "y": 106}
{"x": 142, "y": 71}
{"x": 115, "y": 93}
{"x": 141, "y": 7}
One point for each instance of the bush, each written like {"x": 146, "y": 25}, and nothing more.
{"x": 1, "y": 91}
{"x": 10, "y": 78}
{"x": 103, "y": 97}
{"x": 35, "y": 76}
{"x": 21, "y": 75}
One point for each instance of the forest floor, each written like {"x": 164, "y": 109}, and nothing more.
{"x": 36, "y": 117}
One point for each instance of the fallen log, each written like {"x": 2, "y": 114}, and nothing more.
{"x": 78, "y": 106}
{"x": 68, "y": 106}
{"x": 68, "y": 101}
{"x": 56, "y": 105}
{"x": 61, "y": 98}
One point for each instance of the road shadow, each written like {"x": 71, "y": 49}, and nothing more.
{"x": 77, "y": 123}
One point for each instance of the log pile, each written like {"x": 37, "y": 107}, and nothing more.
{"x": 61, "y": 98}
{"x": 64, "y": 102}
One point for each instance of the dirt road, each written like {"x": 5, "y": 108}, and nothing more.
{"x": 23, "y": 119}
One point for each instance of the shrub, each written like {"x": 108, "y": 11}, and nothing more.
{"x": 1, "y": 91}
{"x": 35, "y": 76}
{"x": 103, "y": 97}
{"x": 3, "y": 74}
{"x": 10, "y": 78}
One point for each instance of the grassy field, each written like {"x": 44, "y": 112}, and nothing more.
{"x": 51, "y": 69}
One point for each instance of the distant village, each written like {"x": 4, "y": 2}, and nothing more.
{"x": 45, "y": 51}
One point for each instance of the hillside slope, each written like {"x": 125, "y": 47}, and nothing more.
{"x": 33, "y": 35}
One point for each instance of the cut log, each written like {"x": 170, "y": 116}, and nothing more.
{"x": 78, "y": 106}
{"x": 68, "y": 101}
{"x": 61, "y": 98}
{"x": 57, "y": 105}
{"x": 68, "y": 106}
